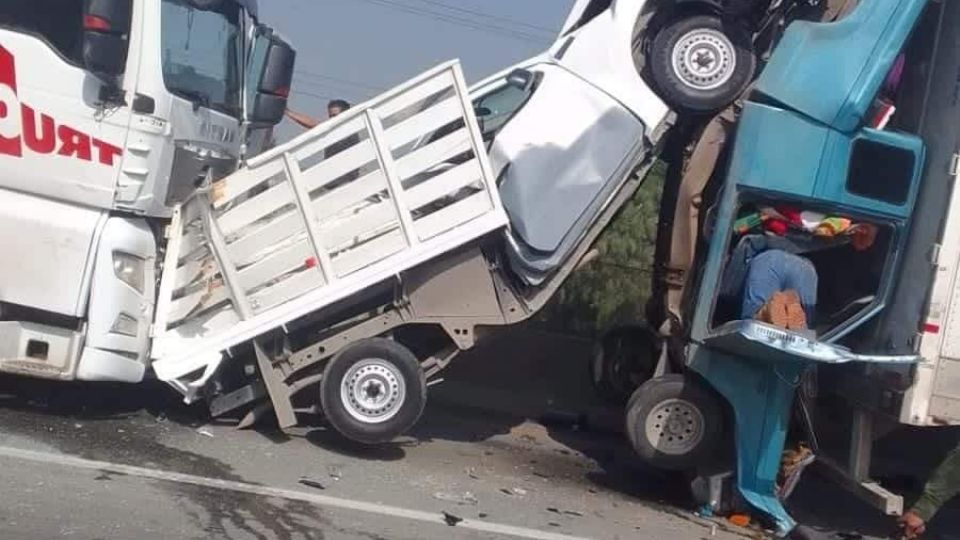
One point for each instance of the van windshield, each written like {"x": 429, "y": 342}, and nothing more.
{"x": 201, "y": 54}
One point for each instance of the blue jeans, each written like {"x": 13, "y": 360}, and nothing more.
{"x": 773, "y": 271}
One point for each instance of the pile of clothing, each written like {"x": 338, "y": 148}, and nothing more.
{"x": 781, "y": 220}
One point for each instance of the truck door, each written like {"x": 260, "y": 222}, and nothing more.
{"x": 559, "y": 148}
{"x": 59, "y": 137}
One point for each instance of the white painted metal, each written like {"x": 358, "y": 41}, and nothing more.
{"x": 934, "y": 397}
{"x": 373, "y": 391}
{"x": 704, "y": 59}
{"x": 449, "y": 181}
{"x": 576, "y": 12}
{"x": 62, "y": 350}
{"x": 49, "y": 93}
{"x": 602, "y": 54}
{"x": 114, "y": 351}
{"x": 351, "y": 203}
{"x": 675, "y": 427}
{"x": 47, "y": 260}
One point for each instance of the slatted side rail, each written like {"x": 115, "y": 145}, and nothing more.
{"x": 315, "y": 217}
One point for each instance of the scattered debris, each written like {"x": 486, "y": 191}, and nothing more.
{"x": 472, "y": 473}
{"x": 483, "y": 515}
{"x": 564, "y": 512}
{"x": 713, "y": 529}
{"x": 592, "y": 490}
{"x": 740, "y": 520}
{"x": 335, "y": 472}
{"x": 451, "y": 519}
{"x": 463, "y": 500}
{"x": 553, "y": 524}
{"x": 542, "y": 474}
{"x": 516, "y": 492}
{"x": 78, "y": 426}
{"x": 311, "y": 483}
{"x": 205, "y": 432}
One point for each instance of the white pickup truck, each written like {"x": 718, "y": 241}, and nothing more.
{"x": 359, "y": 257}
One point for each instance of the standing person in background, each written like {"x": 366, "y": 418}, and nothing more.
{"x": 334, "y": 108}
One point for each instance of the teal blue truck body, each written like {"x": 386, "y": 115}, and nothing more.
{"x": 803, "y": 139}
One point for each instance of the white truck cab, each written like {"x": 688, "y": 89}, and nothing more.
{"x": 112, "y": 112}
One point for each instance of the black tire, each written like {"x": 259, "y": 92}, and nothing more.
{"x": 382, "y": 365}
{"x": 703, "y": 97}
{"x": 676, "y": 397}
{"x": 625, "y": 358}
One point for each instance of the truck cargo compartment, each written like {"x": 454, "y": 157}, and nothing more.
{"x": 383, "y": 188}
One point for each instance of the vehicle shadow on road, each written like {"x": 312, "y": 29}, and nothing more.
{"x": 502, "y": 392}
{"x": 619, "y": 470}
{"x": 97, "y": 401}
{"x": 328, "y": 439}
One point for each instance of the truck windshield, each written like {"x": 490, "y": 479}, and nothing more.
{"x": 201, "y": 54}
{"x": 62, "y": 32}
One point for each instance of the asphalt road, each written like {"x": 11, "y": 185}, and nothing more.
{"x": 105, "y": 462}
{"x": 116, "y": 462}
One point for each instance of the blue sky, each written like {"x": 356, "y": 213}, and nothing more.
{"x": 353, "y": 48}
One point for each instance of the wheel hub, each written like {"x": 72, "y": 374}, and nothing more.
{"x": 373, "y": 391}
{"x": 704, "y": 59}
{"x": 675, "y": 427}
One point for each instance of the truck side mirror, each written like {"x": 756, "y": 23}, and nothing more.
{"x": 521, "y": 79}
{"x": 273, "y": 88}
{"x": 106, "y": 31}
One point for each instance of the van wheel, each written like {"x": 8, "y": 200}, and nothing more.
{"x": 624, "y": 359}
{"x": 373, "y": 391}
{"x": 673, "y": 423}
{"x": 701, "y": 63}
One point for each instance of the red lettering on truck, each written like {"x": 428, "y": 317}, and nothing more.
{"x": 42, "y": 140}
{"x": 39, "y": 132}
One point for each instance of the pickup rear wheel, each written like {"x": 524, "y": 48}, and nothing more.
{"x": 673, "y": 423}
{"x": 373, "y": 391}
{"x": 702, "y": 63}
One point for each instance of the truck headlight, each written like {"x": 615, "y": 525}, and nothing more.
{"x": 129, "y": 269}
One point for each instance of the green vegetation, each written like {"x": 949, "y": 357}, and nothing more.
{"x": 614, "y": 288}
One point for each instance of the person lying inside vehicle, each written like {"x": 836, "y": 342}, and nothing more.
{"x": 772, "y": 273}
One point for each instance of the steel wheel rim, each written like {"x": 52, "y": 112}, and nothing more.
{"x": 373, "y": 391}
{"x": 704, "y": 59}
{"x": 675, "y": 427}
